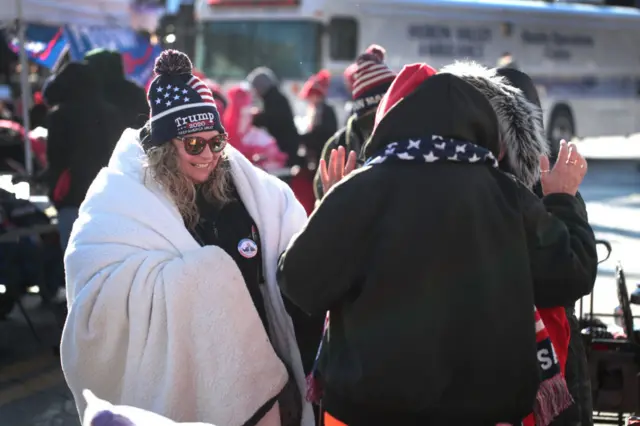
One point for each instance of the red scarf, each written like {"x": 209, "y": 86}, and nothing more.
{"x": 553, "y": 395}
{"x": 558, "y": 330}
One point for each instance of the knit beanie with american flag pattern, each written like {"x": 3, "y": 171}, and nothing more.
{"x": 181, "y": 103}
{"x": 370, "y": 79}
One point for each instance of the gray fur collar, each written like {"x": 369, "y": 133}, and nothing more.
{"x": 520, "y": 120}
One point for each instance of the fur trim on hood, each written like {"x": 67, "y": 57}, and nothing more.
{"x": 520, "y": 120}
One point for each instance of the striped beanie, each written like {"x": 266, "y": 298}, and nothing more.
{"x": 216, "y": 91}
{"x": 181, "y": 103}
{"x": 371, "y": 79}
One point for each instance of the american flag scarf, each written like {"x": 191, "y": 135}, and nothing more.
{"x": 553, "y": 396}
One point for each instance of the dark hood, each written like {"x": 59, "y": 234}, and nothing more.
{"x": 75, "y": 81}
{"x": 522, "y": 81}
{"x": 442, "y": 105}
{"x": 520, "y": 120}
{"x": 107, "y": 64}
{"x": 262, "y": 79}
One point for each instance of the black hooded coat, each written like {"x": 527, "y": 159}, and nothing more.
{"x": 577, "y": 368}
{"x": 517, "y": 104}
{"x": 428, "y": 277}
{"x": 130, "y": 98}
{"x": 83, "y": 130}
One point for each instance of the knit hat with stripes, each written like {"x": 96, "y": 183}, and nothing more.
{"x": 371, "y": 79}
{"x": 181, "y": 103}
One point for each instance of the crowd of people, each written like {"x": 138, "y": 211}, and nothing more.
{"x": 420, "y": 267}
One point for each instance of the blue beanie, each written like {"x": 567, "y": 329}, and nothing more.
{"x": 181, "y": 104}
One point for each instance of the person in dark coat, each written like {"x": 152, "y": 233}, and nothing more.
{"x": 369, "y": 80}
{"x": 517, "y": 104}
{"x": 276, "y": 116}
{"x": 83, "y": 130}
{"x": 577, "y": 368}
{"x": 507, "y": 61}
{"x": 426, "y": 251}
{"x": 130, "y": 98}
{"x": 38, "y": 112}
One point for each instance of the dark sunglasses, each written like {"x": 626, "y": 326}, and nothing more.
{"x": 194, "y": 145}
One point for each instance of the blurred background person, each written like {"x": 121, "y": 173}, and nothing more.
{"x": 321, "y": 117}
{"x": 507, "y": 61}
{"x": 83, "y": 130}
{"x": 253, "y": 142}
{"x": 128, "y": 97}
{"x": 369, "y": 78}
{"x": 276, "y": 115}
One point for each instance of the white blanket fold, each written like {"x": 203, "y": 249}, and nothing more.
{"x": 160, "y": 323}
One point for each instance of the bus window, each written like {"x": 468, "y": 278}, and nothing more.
{"x": 343, "y": 39}
{"x": 229, "y": 50}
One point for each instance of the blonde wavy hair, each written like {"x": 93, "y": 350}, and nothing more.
{"x": 162, "y": 166}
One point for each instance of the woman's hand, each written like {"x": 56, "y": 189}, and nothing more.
{"x": 567, "y": 174}
{"x": 339, "y": 167}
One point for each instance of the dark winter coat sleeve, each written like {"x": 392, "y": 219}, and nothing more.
{"x": 323, "y": 262}
{"x": 274, "y": 123}
{"x": 277, "y": 118}
{"x": 338, "y": 139}
{"x": 562, "y": 249}
{"x": 260, "y": 119}
{"x": 317, "y": 137}
{"x": 308, "y": 331}
{"x": 58, "y": 146}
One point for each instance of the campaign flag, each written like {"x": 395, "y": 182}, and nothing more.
{"x": 138, "y": 54}
{"x": 44, "y": 44}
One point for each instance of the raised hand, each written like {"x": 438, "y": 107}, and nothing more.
{"x": 339, "y": 166}
{"x": 567, "y": 174}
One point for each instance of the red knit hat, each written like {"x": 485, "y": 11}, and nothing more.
{"x": 349, "y": 76}
{"x": 317, "y": 84}
{"x": 371, "y": 79}
{"x": 406, "y": 82}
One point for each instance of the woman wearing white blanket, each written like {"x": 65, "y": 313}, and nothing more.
{"x": 173, "y": 304}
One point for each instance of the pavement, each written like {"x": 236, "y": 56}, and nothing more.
{"x": 32, "y": 388}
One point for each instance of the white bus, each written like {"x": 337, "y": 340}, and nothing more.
{"x": 585, "y": 59}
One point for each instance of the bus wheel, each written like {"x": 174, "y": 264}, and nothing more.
{"x": 561, "y": 126}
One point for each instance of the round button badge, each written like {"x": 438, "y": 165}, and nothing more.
{"x": 247, "y": 248}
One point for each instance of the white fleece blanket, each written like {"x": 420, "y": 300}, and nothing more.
{"x": 160, "y": 323}
{"x": 103, "y": 413}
